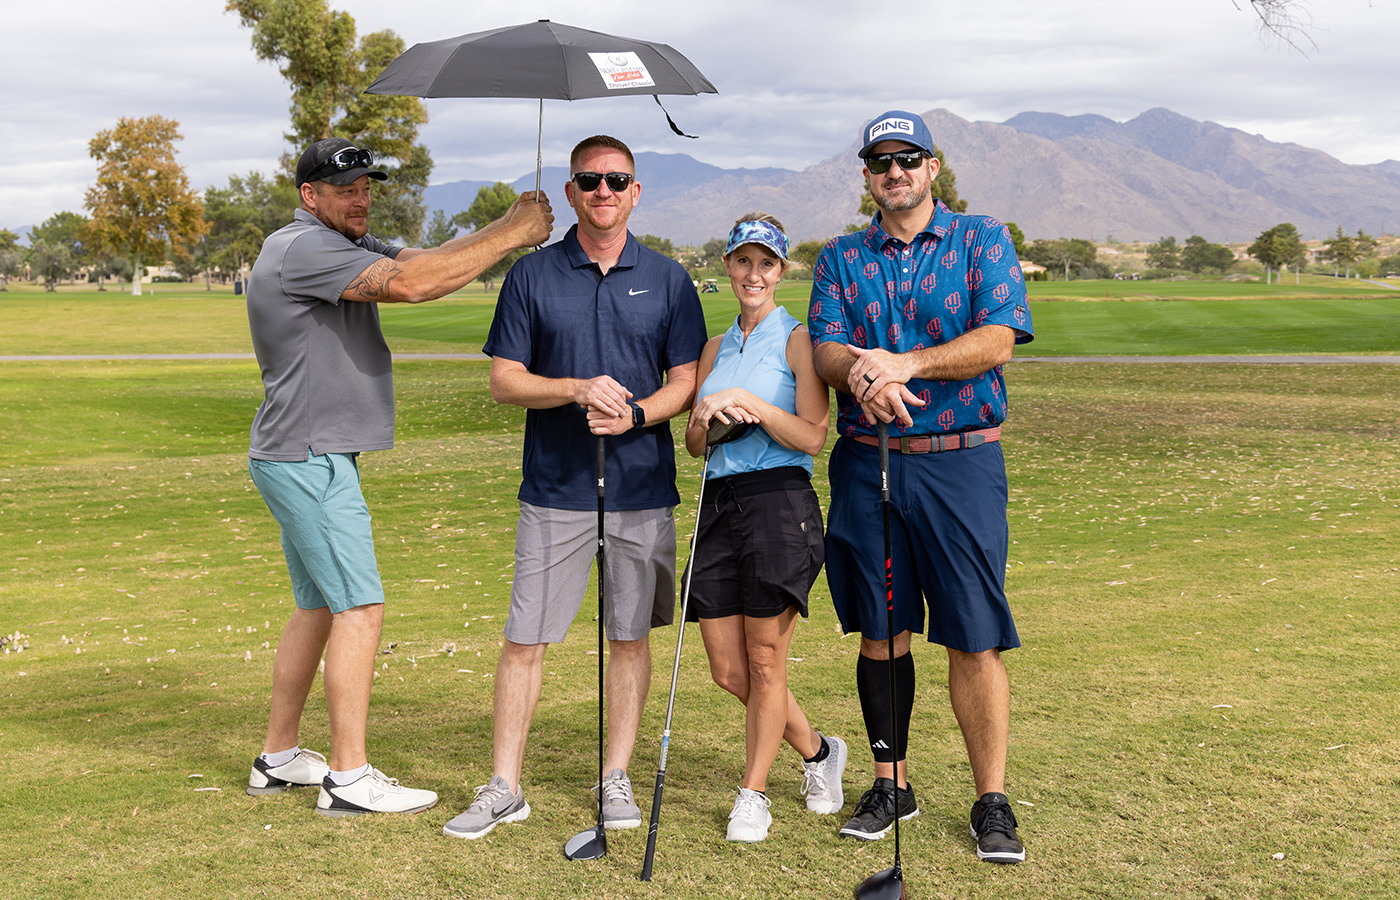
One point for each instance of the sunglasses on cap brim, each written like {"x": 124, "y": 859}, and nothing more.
{"x": 343, "y": 161}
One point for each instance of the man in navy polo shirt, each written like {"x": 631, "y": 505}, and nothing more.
{"x": 594, "y": 335}
{"x": 912, "y": 319}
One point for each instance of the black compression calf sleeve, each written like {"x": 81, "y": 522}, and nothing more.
{"x": 873, "y": 686}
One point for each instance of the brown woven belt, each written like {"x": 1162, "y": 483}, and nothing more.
{"x": 936, "y": 443}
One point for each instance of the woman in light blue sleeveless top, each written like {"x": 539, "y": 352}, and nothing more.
{"x": 758, "y": 542}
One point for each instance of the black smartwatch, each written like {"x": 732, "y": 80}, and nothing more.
{"x": 639, "y": 415}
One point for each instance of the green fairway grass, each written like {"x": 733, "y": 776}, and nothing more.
{"x": 1343, "y": 318}
{"x": 1204, "y": 566}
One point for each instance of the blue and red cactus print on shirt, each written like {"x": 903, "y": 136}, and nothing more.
{"x": 872, "y": 290}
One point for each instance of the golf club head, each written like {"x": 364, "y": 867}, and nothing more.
{"x": 725, "y": 432}
{"x": 591, "y": 843}
{"x": 885, "y": 885}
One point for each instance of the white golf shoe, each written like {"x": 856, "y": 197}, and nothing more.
{"x": 372, "y": 792}
{"x": 307, "y": 769}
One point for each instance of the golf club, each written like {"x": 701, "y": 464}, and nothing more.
{"x": 887, "y": 884}
{"x": 718, "y": 433}
{"x": 592, "y": 843}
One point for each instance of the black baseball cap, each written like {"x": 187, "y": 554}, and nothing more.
{"x": 326, "y": 161}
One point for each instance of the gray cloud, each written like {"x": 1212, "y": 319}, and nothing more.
{"x": 796, "y": 79}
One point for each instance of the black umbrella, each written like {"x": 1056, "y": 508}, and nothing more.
{"x": 543, "y": 60}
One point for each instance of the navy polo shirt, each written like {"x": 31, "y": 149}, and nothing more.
{"x": 561, "y": 318}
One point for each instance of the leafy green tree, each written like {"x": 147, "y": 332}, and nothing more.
{"x": 11, "y": 257}
{"x": 1018, "y": 239}
{"x": 328, "y": 68}
{"x": 1198, "y": 255}
{"x": 1165, "y": 254}
{"x": 51, "y": 261}
{"x": 102, "y": 266}
{"x": 944, "y": 187}
{"x": 242, "y": 214}
{"x": 492, "y": 201}
{"x": 11, "y": 264}
{"x": 807, "y": 253}
{"x": 1278, "y": 247}
{"x": 1341, "y": 250}
{"x": 659, "y": 244}
{"x": 1063, "y": 253}
{"x": 56, "y": 249}
{"x": 439, "y": 231}
{"x": 142, "y": 202}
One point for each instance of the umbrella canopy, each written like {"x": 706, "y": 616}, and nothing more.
{"x": 542, "y": 60}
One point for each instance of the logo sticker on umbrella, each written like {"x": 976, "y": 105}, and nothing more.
{"x": 622, "y": 70}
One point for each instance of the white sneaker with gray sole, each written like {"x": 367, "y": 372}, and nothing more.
{"x": 370, "y": 793}
{"x": 307, "y": 769}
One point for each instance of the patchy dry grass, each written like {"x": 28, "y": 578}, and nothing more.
{"x": 1204, "y": 568}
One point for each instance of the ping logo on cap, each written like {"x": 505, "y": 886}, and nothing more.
{"x": 887, "y": 126}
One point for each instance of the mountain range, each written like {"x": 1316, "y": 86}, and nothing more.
{"x": 1159, "y": 174}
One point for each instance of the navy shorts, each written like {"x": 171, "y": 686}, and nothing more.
{"x": 758, "y": 545}
{"x": 948, "y": 543}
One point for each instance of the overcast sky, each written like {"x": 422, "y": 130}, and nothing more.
{"x": 796, "y": 79}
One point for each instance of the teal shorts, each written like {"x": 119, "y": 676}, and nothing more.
{"x": 326, "y": 533}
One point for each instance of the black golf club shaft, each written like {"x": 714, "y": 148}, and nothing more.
{"x": 717, "y": 433}
{"x": 602, "y": 472}
{"x": 675, "y": 674}
{"x": 888, "y": 884}
{"x": 883, "y": 431}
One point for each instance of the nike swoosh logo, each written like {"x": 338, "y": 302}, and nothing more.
{"x": 632, "y": 293}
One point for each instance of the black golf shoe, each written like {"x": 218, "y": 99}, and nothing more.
{"x": 994, "y": 829}
{"x": 874, "y": 814}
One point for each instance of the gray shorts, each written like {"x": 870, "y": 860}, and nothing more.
{"x": 554, "y": 550}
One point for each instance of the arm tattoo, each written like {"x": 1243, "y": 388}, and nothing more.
{"x": 372, "y": 285}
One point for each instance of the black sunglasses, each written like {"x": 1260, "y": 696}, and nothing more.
{"x": 341, "y": 160}
{"x": 588, "y": 181}
{"x": 907, "y": 159}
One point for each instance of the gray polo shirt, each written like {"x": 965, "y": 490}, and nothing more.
{"x": 328, "y": 380}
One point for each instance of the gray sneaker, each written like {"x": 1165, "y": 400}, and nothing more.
{"x": 494, "y": 805}
{"x": 619, "y": 809}
{"x": 821, "y": 782}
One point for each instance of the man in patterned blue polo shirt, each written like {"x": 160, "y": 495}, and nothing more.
{"x": 913, "y": 319}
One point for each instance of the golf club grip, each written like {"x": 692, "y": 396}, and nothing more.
{"x": 655, "y": 823}
{"x": 882, "y": 432}
{"x": 601, "y": 468}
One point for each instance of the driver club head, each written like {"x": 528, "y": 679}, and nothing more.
{"x": 591, "y": 843}
{"x": 725, "y": 432}
{"x": 884, "y": 885}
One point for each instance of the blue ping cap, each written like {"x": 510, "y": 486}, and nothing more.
{"x": 756, "y": 232}
{"x": 896, "y": 125}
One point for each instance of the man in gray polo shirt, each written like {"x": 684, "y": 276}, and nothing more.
{"x": 329, "y": 395}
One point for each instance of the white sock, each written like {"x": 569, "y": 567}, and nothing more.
{"x": 341, "y": 779}
{"x": 281, "y": 757}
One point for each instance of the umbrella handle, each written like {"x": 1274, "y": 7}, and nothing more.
{"x": 539, "y": 152}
